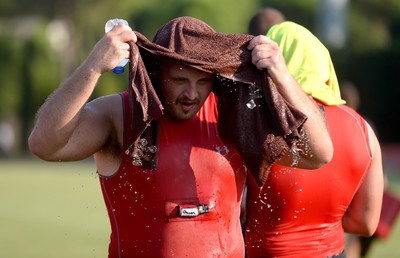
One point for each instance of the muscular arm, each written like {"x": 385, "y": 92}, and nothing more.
{"x": 318, "y": 149}
{"x": 67, "y": 128}
{"x": 362, "y": 216}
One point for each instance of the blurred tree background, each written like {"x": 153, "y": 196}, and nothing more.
{"x": 43, "y": 41}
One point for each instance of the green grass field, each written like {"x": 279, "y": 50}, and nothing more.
{"x": 57, "y": 210}
{"x": 51, "y": 210}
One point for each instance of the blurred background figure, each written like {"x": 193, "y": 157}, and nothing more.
{"x": 7, "y": 139}
{"x": 264, "y": 19}
{"x": 351, "y": 94}
{"x": 359, "y": 246}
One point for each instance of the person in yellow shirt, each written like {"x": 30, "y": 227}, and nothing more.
{"x": 305, "y": 213}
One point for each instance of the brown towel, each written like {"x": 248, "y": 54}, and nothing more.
{"x": 253, "y": 116}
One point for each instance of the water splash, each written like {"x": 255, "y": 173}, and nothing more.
{"x": 251, "y": 104}
{"x": 296, "y": 156}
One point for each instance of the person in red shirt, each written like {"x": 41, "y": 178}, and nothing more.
{"x": 304, "y": 213}
{"x": 188, "y": 204}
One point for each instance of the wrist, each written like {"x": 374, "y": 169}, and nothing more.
{"x": 89, "y": 71}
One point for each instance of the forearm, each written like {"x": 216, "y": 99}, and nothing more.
{"x": 58, "y": 117}
{"x": 317, "y": 149}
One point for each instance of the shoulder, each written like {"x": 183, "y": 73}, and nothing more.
{"x": 348, "y": 121}
{"x": 108, "y": 102}
{"x": 341, "y": 114}
{"x": 108, "y": 109}
{"x": 374, "y": 142}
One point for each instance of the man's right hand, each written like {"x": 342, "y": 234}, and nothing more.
{"x": 111, "y": 49}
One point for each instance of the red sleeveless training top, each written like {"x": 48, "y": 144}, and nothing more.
{"x": 298, "y": 213}
{"x": 194, "y": 167}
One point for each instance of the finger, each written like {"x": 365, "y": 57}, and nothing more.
{"x": 125, "y": 33}
{"x": 251, "y": 44}
{"x": 128, "y": 36}
{"x": 120, "y": 28}
{"x": 127, "y": 54}
{"x": 258, "y": 40}
{"x": 262, "y": 64}
{"x": 261, "y": 52}
{"x": 125, "y": 46}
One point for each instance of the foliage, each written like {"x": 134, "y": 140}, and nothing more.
{"x": 222, "y": 15}
{"x": 9, "y": 88}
